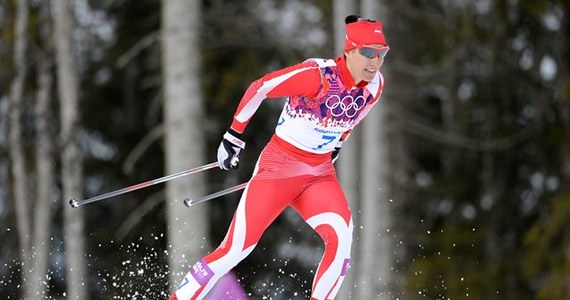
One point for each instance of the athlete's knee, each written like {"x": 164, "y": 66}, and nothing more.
{"x": 332, "y": 228}
{"x": 334, "y": 236}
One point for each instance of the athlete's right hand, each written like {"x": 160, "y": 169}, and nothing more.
{"x": 229, "y": 150}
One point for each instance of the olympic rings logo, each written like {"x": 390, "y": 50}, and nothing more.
{"x": 348, "y": 105}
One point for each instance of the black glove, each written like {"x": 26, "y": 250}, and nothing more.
{"x": 336, "y": 152}
{"x": 229, "y": 149}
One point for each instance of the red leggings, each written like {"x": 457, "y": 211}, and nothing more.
{"x": 284, "y": 176}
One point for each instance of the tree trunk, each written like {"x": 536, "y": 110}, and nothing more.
{"x": 45, "y": 180}
{"x": 16, "y": 151}
{"x": 184, "y": 116}
{"x": 71, "y": 160}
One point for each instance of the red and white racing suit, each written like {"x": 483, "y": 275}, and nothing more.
{"x": 295, "y": 169}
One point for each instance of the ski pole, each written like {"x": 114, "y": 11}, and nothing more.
{"x": 189, "y": 201}
{"x": 76, "y": 203}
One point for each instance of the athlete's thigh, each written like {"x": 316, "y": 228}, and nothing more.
{"x": 262, "y": 201}
{"x": 323, "y": 196}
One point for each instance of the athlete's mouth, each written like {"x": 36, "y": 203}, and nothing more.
{"x": 370, "y": 71}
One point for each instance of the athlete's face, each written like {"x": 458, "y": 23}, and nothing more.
{"x": 363, "y": 63}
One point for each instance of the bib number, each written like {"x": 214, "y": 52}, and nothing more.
{"x": 328, "y": 139}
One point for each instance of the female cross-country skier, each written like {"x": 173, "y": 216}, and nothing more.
{"x": 326, "y": 99}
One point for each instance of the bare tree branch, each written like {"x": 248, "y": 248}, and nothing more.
{"x": 153, "y": 135}
{"x": 137, "y": 48}
{"x": 136, "y": 215}
{"x": 421, "y": 128}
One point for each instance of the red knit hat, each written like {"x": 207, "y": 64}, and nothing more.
{"x": 361, "y": 32}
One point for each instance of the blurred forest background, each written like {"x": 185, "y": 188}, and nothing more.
{"x": 458, "y": 181}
